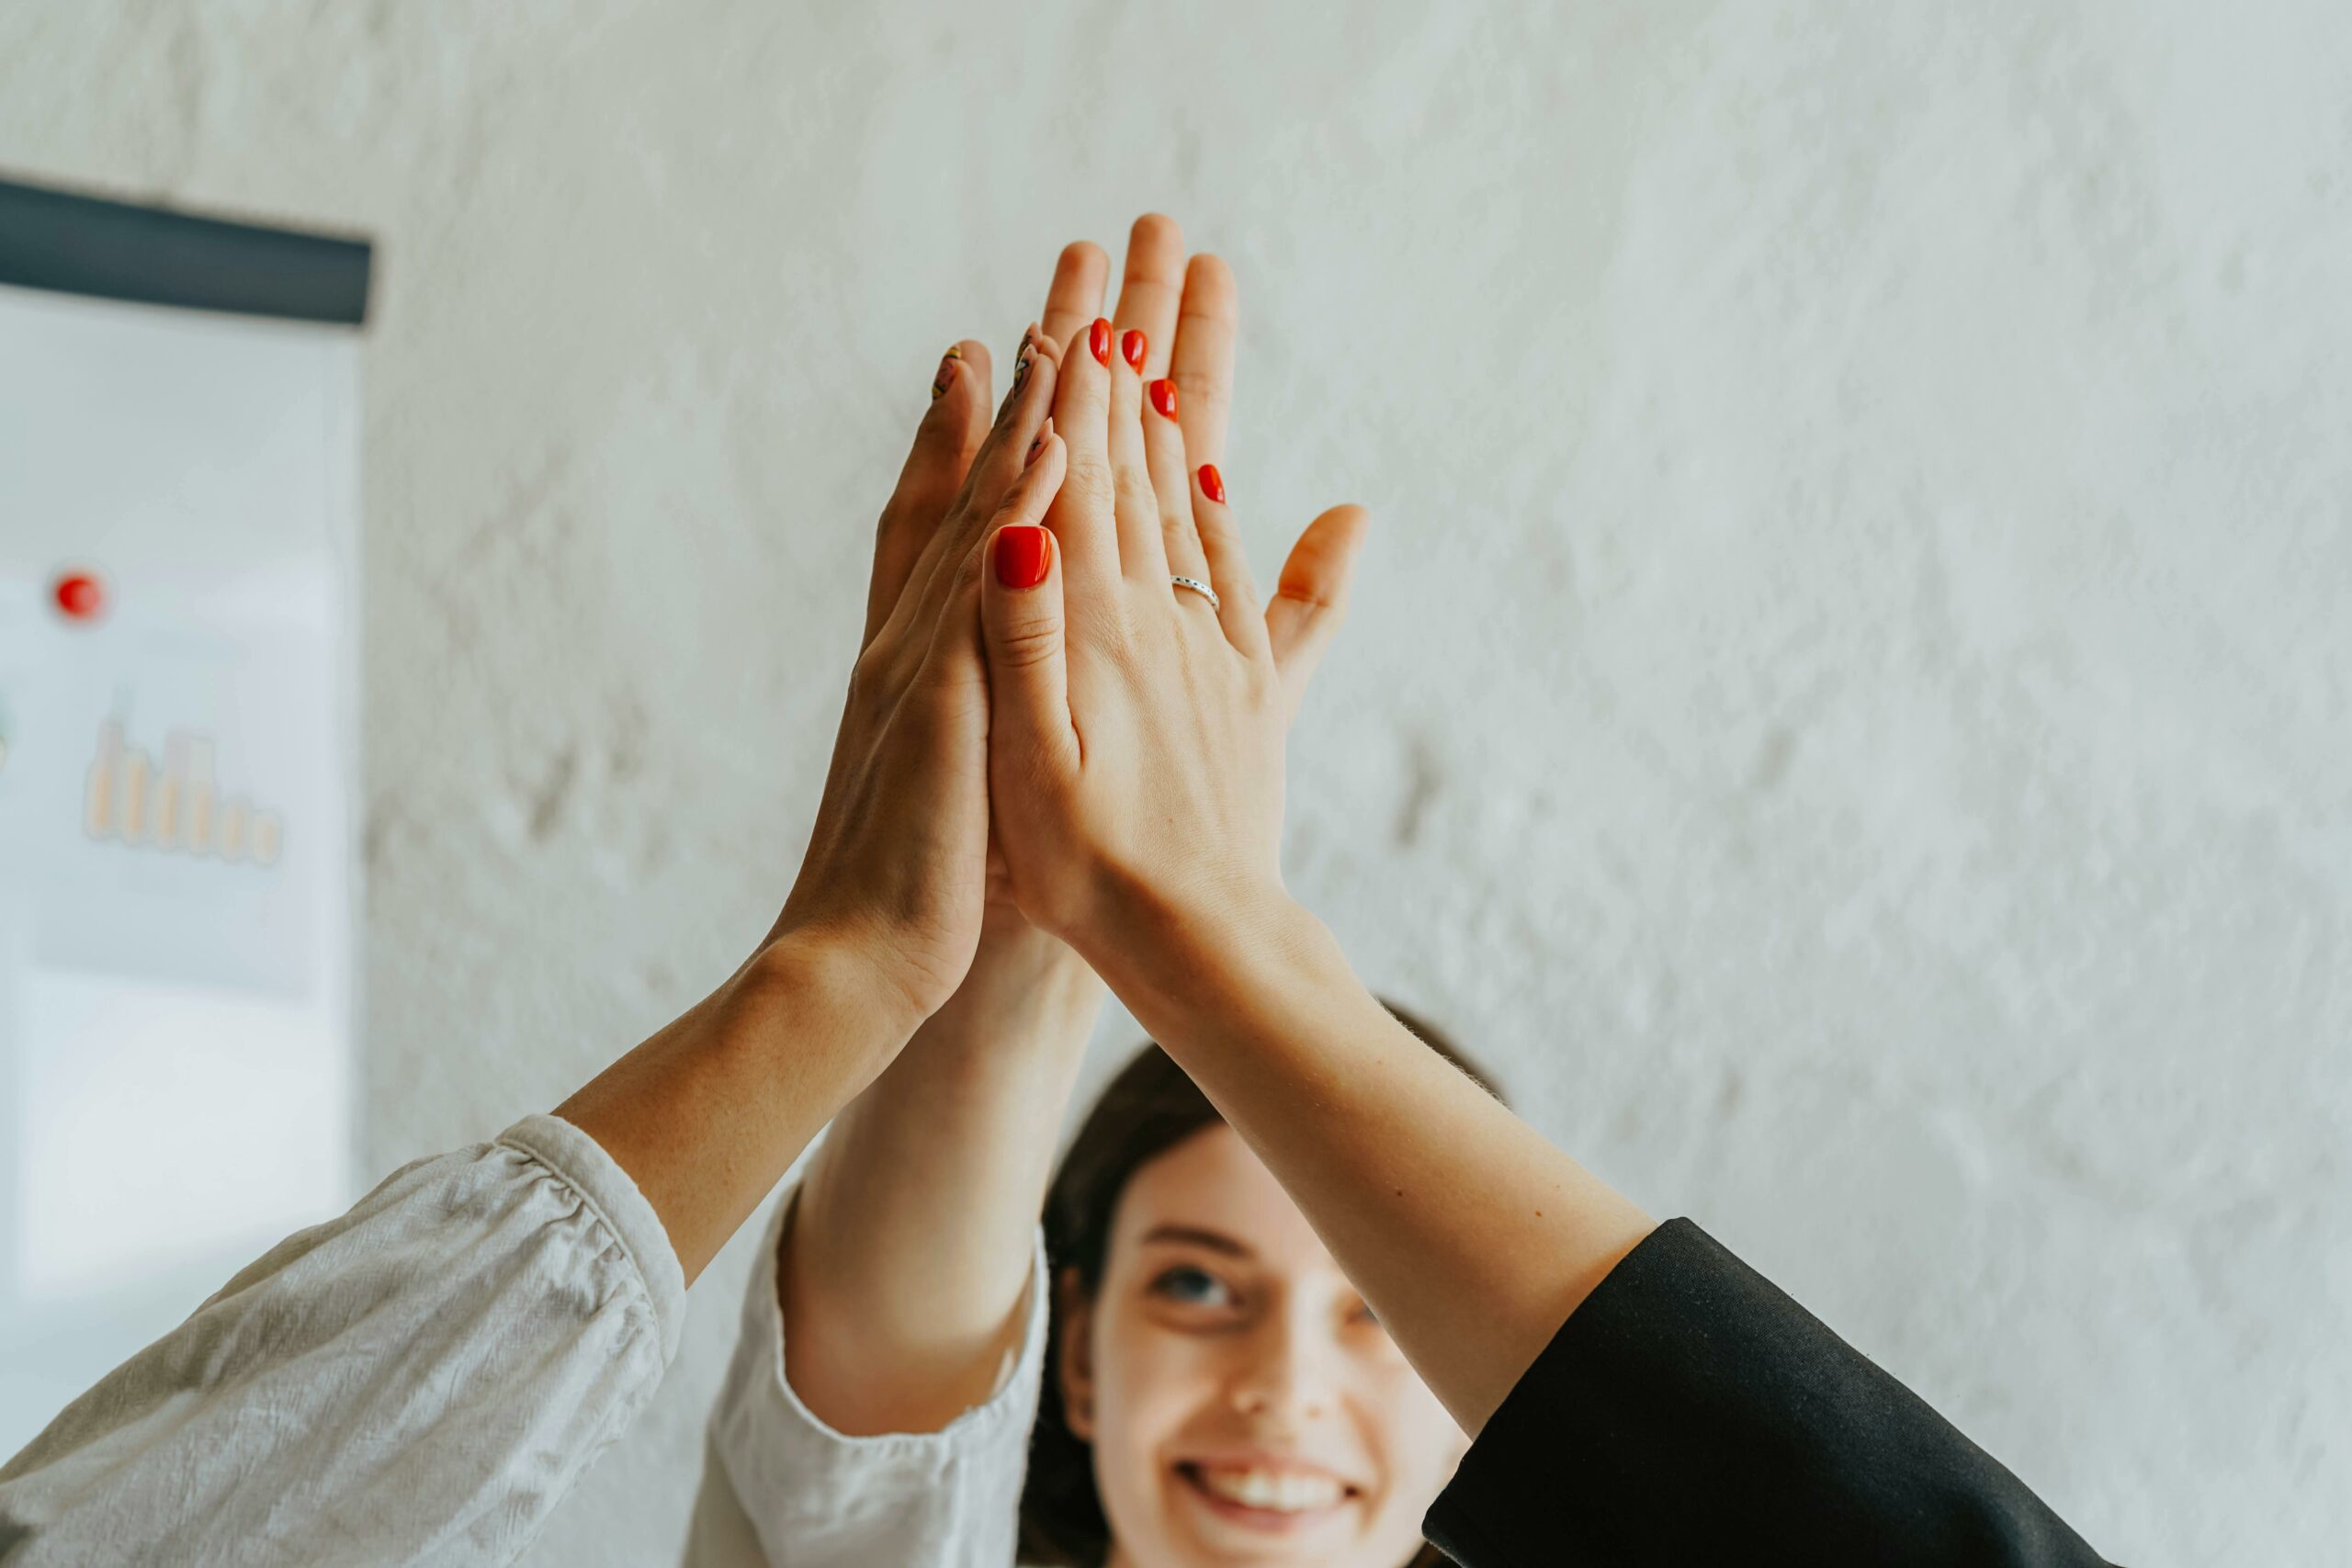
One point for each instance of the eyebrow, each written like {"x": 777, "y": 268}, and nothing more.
{"x": 1215, "y": 1241}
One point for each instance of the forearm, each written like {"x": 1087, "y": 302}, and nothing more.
{"x": 1470, "y": 1236}
{"x": 905, "y": 1260}
{"x": 706, "y": 1115}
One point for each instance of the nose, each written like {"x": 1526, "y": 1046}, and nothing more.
{"x": 1283, "y": 1371}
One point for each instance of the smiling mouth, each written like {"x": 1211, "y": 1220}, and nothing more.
{"x": 1267, "y": 1500}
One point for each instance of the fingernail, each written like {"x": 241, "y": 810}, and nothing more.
{"x": 1023, "y": 555}
{"x": 947, "y": 370}
{"x": 1039, "y": 445}
{"x": 1163, "y": 397}
{"x": 1132, "y": 345}
{"x": 1212, "y": 483}
{"x": 1098, "y": 340}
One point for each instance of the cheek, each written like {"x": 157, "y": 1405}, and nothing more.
{"x": 1418, "y": 1443}
{"x": 1152, "y": 1380}
{"x": 1151, "y": 1384}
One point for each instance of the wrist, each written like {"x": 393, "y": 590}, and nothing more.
{"x": 1189, "y": 967}
{"x": 1027, "y": 994}
{"x": 809, "y": 973}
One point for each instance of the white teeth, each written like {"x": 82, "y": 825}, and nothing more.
{"x": 1288, "y": 1493}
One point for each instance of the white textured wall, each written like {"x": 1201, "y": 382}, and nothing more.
{"x": 1851, "y": 703}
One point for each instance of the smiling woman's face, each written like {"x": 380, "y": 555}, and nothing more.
{"x": 1243, "y": 1405}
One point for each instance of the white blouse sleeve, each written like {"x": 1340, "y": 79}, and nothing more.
{"x": 814, "y": 1497}
{"x": 419, "y": 1381}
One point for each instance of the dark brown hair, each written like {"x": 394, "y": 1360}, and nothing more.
{"x": 1147, "y": 1109}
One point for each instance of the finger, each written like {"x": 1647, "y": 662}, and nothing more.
{"x": 1142, "y": 556}
{"x": 1171, "y": 484}
{"x": 950, "y": 433}
{"x": 1312, "y": 598}
{"x": 1201, "y": 360}
{"x": 1076, "y": 297}
{"x": 1229, "y": 564}
{"x": 995, "y": 468}
{"x": 1030, "y": 733}
{"x": 1151, "y": 291}
{"x": 1084, "y": 517}
{"x": 1024, "y": 504}
{"x": 1004, "y": 455}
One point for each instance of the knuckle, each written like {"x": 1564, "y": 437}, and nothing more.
{"x": 1135, "y": 489}
{"x": 1089, "y": 481}
{"x": 1029, "y": 644}
{"x": 1216, "y": 527}
{"x": 871, "y": 674}
{"x": 1315, "y": 597}
{"x": 967, "y": 576}
{"x": 1200, "y": 390}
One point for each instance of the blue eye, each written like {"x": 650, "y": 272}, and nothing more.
{"x": 1193, "y": 1287}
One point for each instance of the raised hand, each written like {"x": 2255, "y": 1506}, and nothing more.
{"x": 1136, "y": 758}
{"x": 897, "y": 858}
{"x": 882, "y": 921}
{"x": 903, "y": 1271}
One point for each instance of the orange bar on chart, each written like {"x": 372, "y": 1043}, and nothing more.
{"x": 200, "y": 796}
{"x": 135, "y": 768}
{"x": 167, "y": 793}
{"x": 97, "y": 810}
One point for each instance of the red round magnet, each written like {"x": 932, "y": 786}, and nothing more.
{"x": 79, "y": 596}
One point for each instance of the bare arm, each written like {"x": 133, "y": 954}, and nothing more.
{"x": 1429, "y": 1192}
{"x": 904, "y": 1263}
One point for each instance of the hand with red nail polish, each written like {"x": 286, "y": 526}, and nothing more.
{"x": 1021, "y": 555}
{"x": 861, "y": 1354}
{"x": 1140, "y": 629}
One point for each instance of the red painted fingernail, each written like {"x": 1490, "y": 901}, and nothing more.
{"x": 1023, "y": 554}
{"x": 1132, "y": 345}
{"x": 1163, "y": 397}
{"x": 79, "y": 597}
{"x": 1098, "y": 338}
{"x": 1212, "y": 483}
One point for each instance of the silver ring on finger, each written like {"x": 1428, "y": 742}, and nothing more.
{"x": 1202, "y": 589}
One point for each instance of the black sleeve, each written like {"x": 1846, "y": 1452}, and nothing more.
{"x": 1689, "y": 1412}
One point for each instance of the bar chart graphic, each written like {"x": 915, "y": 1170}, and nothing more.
{"x": 175, "y": 805}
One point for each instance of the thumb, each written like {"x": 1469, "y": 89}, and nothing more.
{"x": 1022, "y": 624}
{"x": 1312, "y": 598}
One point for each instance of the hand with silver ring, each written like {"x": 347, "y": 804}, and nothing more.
{"x": 1135, "y": 750}
{"x": 1202, "y": 589}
